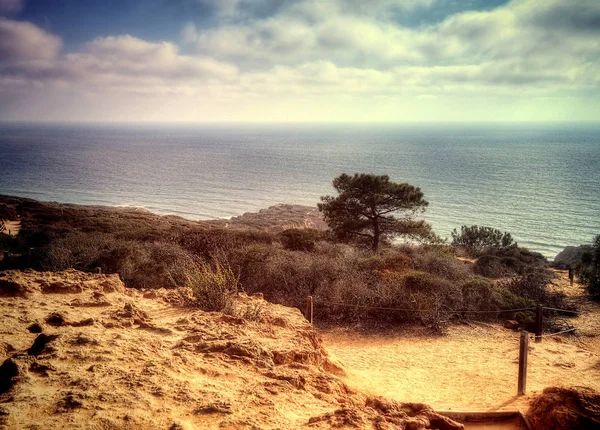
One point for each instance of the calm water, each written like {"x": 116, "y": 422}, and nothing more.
{"x": 539, "y": 182}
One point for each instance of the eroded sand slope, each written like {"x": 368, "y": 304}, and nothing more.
{"x": 82, "y": 351}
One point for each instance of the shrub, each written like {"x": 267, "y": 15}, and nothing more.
{"x": 213, "y": 283}
{"x": 506, "y": 299}
{"x": 477, "y": 294}
{"x": 588, "y": 269}
{"x": 205, "y": 243}
{"x": 440, "y": 263}
{"x": 299, "y": 239}
{"x": 476, "y": 239}
{"x": 491, "y": 266}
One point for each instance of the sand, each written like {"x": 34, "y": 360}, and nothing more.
{"x": 11, "y": 227}
{"x": 80, "y": 350}
{"x": 473, "y": 367}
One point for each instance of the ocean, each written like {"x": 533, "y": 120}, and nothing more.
{"x": 540, "y": 182}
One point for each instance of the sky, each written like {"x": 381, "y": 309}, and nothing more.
{"x": 299, "y": 60}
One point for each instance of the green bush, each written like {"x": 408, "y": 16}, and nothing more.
{"x": 477, "y": 239}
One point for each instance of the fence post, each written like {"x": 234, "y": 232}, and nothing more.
{"x": 99, "y": 270}
{"x": 523, "y": 352}
{"x": 29, "y": 257}
{"x": 309, "y": 309}
{"x": 539, "y": 323}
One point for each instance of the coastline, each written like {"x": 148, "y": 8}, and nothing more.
{"x": 274, "y": 218}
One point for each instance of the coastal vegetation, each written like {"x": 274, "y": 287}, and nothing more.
{"x": 372, "y": 208}
{"x": 477, "y": 239}
{"x": 588, "y": 268}
{"x": 429, "y": 282}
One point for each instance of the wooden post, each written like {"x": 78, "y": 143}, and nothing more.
{"x": 523, "y": 351}
{"x": 309, "y": 309}
{"x": 539, "y": 323}
{"x": 29, "y": 256}
{"x": 99, "y": 270}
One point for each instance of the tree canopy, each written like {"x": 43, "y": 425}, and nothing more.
{"x": 374, "y": 208}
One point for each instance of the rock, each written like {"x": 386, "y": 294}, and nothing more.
{"x": 83, "y": 323}
{"x": 576, "y": 408}
{"x": 41, "y": 369}
{"x": 9, "y": 370}
{"x": 218, "y": 407}
{"x": 150, "y": 294}
{"x": 112, "y": 284}
{"x": 570, "y": 256}
{"x": 61, "y": 288}
{"x": 35, "y": 328}
{"x": 5, "y": 348}
{"x": 511, "y": 324}
{"x": 71, "y": 400}
{"x": 12, "y": 289}
{"x": 56, "y": 319}
{"x": 40, "y": 344}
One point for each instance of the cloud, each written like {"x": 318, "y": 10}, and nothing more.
{"x": 22, "y": 41}
{"x": 338, "y": 53}
{"x": 11, "y": 7}
{"x": 130, "y": 56}
{"x": 576, "y": 17}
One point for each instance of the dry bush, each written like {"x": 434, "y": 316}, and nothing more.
{"x": 285, "y": 276}
{"x": 206, "y": 242}
{"x": 213, "y": 283}
{"x": 295, "y": 239}
{"x": 477, "y": 293}
{"x": 441, "y": 263}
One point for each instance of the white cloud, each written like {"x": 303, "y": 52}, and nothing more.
{"x": 130, "y": 56}
{"x": 22, "y": 41}
{"x": 330, "y": 55}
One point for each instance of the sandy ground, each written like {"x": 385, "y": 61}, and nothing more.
{"x": 473, "y": 367}
{"x": 81, "y": 351}
{"x": 11, "y": 227}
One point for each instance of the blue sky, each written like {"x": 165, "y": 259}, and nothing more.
{"x": 78, "y": 21}
{"x": 299, "y": 60}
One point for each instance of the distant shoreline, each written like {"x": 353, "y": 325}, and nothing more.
{"x": 275, "y": 218}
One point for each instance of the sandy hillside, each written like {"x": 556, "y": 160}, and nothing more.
{"x": 81, "y": 351}
{"x": 474, "y": 367}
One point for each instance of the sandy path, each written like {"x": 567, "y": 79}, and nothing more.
{"x": 11, "y": 227}
{"x": 472, "y": 368}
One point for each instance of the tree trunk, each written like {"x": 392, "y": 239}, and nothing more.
{"x": 376, "y": 234}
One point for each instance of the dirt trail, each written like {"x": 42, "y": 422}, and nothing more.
{"x": 472, "y": 368}
{"x": 11, "y": 228}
